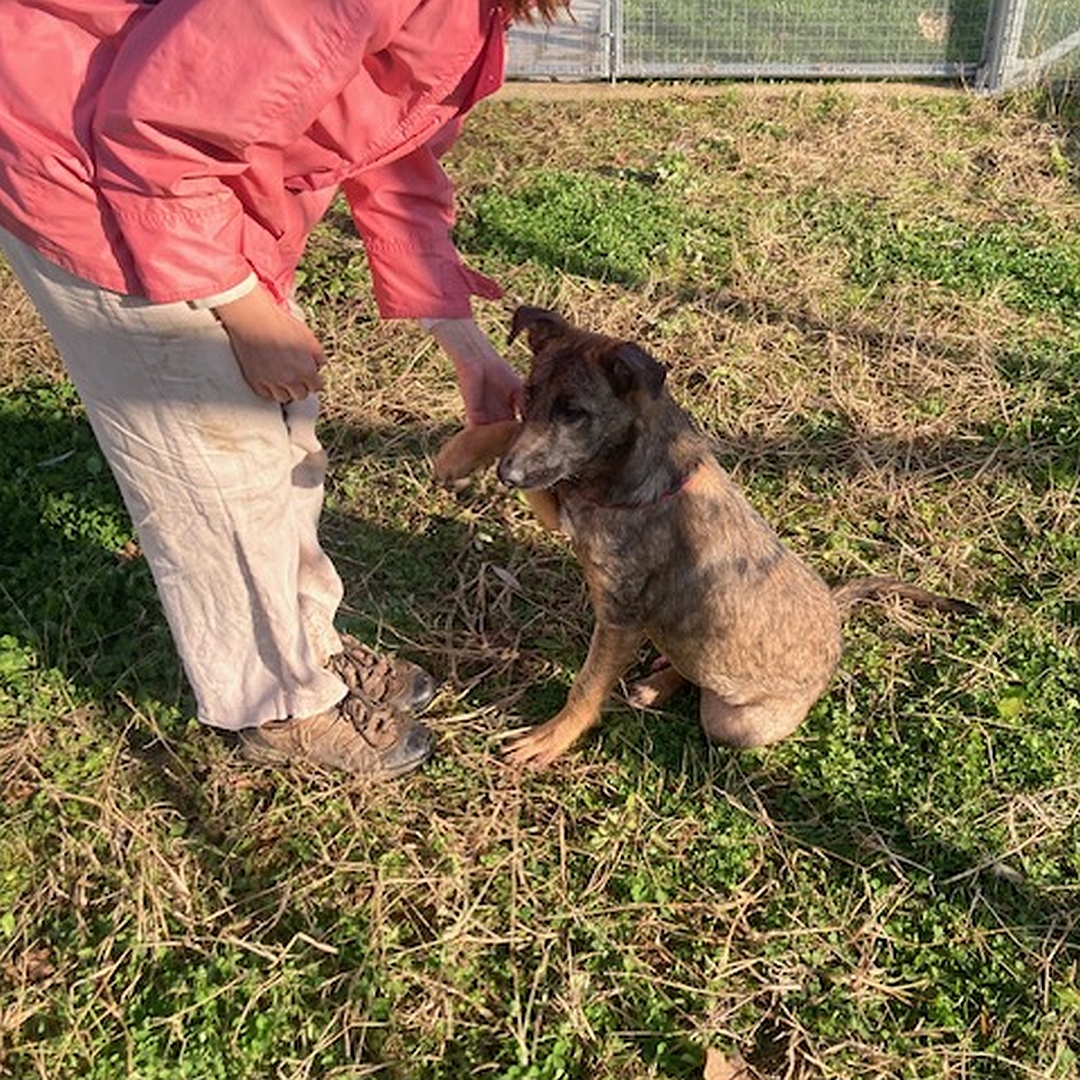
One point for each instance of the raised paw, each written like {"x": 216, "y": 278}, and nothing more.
{"x": 472, "y": 449}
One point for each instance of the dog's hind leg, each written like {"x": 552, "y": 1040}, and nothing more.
{"x": 611, "y": 651}
{"x": 751, "y": 723}
{"x": 653, "y": 691}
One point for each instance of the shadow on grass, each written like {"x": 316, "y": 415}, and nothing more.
{"x": 979, "y": 946}
{"x": 73, "y": 586}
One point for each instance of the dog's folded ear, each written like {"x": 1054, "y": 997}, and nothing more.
{"x": 473, "y": 449}
{"x": 540, "y": 324}
{"x": 629, "y": 368}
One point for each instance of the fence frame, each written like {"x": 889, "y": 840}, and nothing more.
{"x": 1001, "y": 67}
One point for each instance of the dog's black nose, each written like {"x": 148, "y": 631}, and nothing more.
{"x": 509, "y": 473}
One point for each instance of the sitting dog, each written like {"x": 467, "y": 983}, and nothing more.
{"x": 670, "y": 548}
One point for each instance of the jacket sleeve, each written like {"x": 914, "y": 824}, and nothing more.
{"x": 404, "y": 212}
{"x": 198, "y": 91}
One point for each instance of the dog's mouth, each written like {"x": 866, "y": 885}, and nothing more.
{"x": 514, "y": 476}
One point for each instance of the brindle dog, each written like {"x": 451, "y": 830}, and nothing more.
{"x": 670, "y": 548}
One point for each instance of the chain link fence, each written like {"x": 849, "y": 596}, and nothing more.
{"x": 991, "y": 44}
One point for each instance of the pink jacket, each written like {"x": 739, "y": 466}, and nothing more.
{"x": 169, "y": 150}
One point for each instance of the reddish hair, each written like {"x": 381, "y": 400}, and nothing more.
{"x": 528, "y": 9}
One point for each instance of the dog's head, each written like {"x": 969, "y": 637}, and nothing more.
{"x": 585, "y": 399}
{"x": 626, "y": 366}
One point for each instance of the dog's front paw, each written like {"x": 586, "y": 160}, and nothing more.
{"x": 537, "y": 747}
{"x": 473, "y": 449}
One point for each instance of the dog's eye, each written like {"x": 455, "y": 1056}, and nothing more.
{"x": 568, "y": 412}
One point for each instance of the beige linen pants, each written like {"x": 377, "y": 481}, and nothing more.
{"x": 224, "y": 489}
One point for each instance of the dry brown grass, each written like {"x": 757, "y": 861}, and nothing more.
{"x": 25, "y": 350}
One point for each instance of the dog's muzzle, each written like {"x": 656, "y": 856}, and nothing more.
{"x": 510, "y": 473}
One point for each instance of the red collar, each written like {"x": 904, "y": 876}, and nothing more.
{"x": 676, "y": 486}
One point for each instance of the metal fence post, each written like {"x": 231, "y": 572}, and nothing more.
{"x": 613, "y": 12}
{"x": 1001, "y": 56}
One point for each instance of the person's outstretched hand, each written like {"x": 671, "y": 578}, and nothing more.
{"x": 490, "y": 387}
{"x": 279, "y": 356}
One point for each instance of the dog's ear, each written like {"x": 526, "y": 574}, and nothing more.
{"x": 540, "y": 324}
{"x": 629, "y": 367}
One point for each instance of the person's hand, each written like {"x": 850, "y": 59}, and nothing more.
{"x": 490, "y": 387}
{"x": 278, "y": 354}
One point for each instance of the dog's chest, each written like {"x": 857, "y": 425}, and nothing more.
{"x": 631, "y": 558}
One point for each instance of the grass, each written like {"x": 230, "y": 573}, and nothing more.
{"x": 870, "y": 301}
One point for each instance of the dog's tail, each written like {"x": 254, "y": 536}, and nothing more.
{"x": 869, "y": 589}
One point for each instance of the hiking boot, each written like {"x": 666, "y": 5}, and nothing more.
{"x": 354, "y": 736}
{"x": 382, "y": 680}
